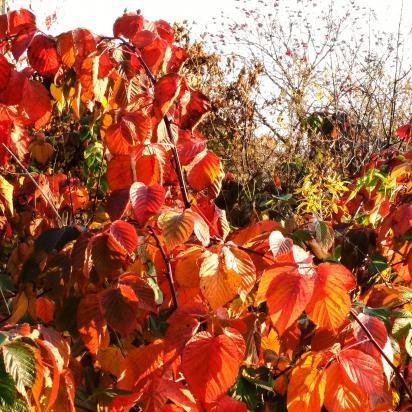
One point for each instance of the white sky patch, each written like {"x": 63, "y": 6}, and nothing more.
{"x": 99, "y": 16}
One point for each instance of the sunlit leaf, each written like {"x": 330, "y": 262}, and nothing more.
{"x": 210, "y": 363}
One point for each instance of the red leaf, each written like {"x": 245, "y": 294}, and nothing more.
{"x": 5, "y": 71}
{"x": 179, "y": 56}
{"x": 125, "y": 235}
{"x": 192, "y": 113}
{"x": 91, "y": 323}
{"x": 128, "y": 25}
{"x": 36, "y": 103}
{"x": 405, "y": 132}
{"x": 22, "y": 25}
{"x": 341, "y": 394}
{"x": 19, "y": 20}
{"x": 363, "y": 370}
{"x": 167, "y": 89}
{"x": 211, "y": 364}
{"x": 120, "y": 306}
{"x": 43, "y": 56}
{"x": 146, "y": 200}
{"x": 153, "y": 54}
{"x": 227, "y": 404}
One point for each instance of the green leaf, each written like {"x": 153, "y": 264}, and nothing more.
{"x": 2, "y": 338}
{"x": 408, "y": 342}
{"x": 401, "y": 327}
{"x": 323, "y": 234}
{"x": 19, "y": 362}
{"x": 7, "y": 389}
{"x": 246, "y": 392}
{"x": 18, "y": 406}
{"x": 377, "y": 265}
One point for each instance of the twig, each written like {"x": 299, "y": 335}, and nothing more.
{"x": 390, "y": 363}
{"x": 169, "y": 274}
{"x": 178, "y": 166}
{"x": 45, "y": 197}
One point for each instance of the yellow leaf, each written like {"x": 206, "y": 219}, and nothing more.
{"x": 176, "y": 227}
{"x": 226, "y": 272}
{"x": 6, "y": 196}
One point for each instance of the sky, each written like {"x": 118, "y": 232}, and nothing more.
{"x": 98, "y": 15}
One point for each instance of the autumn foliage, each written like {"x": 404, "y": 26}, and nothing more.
{"x": 140, "y": 296}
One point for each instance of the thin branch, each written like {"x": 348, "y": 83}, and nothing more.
{"x": 45, "y": 197}
{"x": 169, "y": 273}
{"x": 178, "y": 166}
{"x": 390, "y": 363}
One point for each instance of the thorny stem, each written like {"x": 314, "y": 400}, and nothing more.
{"x": 390, "y": 363}
{"x": 45, "y": 197}
{"x": 169, "y": 273}
{"x": 177, "y": 165}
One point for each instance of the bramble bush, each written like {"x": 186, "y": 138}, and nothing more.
{"x": 123, "y": 285}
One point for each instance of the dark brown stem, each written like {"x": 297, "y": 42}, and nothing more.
{"x": 45, "y": 197}
{"x": 169, "y": 273}
{"x": 373, "y": 341}
{"x": 177, "y": 165}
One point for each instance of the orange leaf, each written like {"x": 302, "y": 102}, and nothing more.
{"x": 306, "y": 388}
{"x": 74, "y": 46}
{"x": 287, "y": 296}
{"x": 176, "y": 227}
{"x": 204, "y": 171}
{"x": 226, "y": 272}
{"x": 330, "y": 302}
{"x": 146, "y": 200}
{"x": 341, "y": 394}
{"x": 45, "y": 309}
{"x": 211, "y": 364}
{"x": 187, "y": 267}
{"x": 91, "y": 323}
{"x": 129, "y": 131}
{"x": 140, "y": 363}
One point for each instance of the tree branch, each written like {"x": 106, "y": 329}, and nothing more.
{"x": 169, "y": 273}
